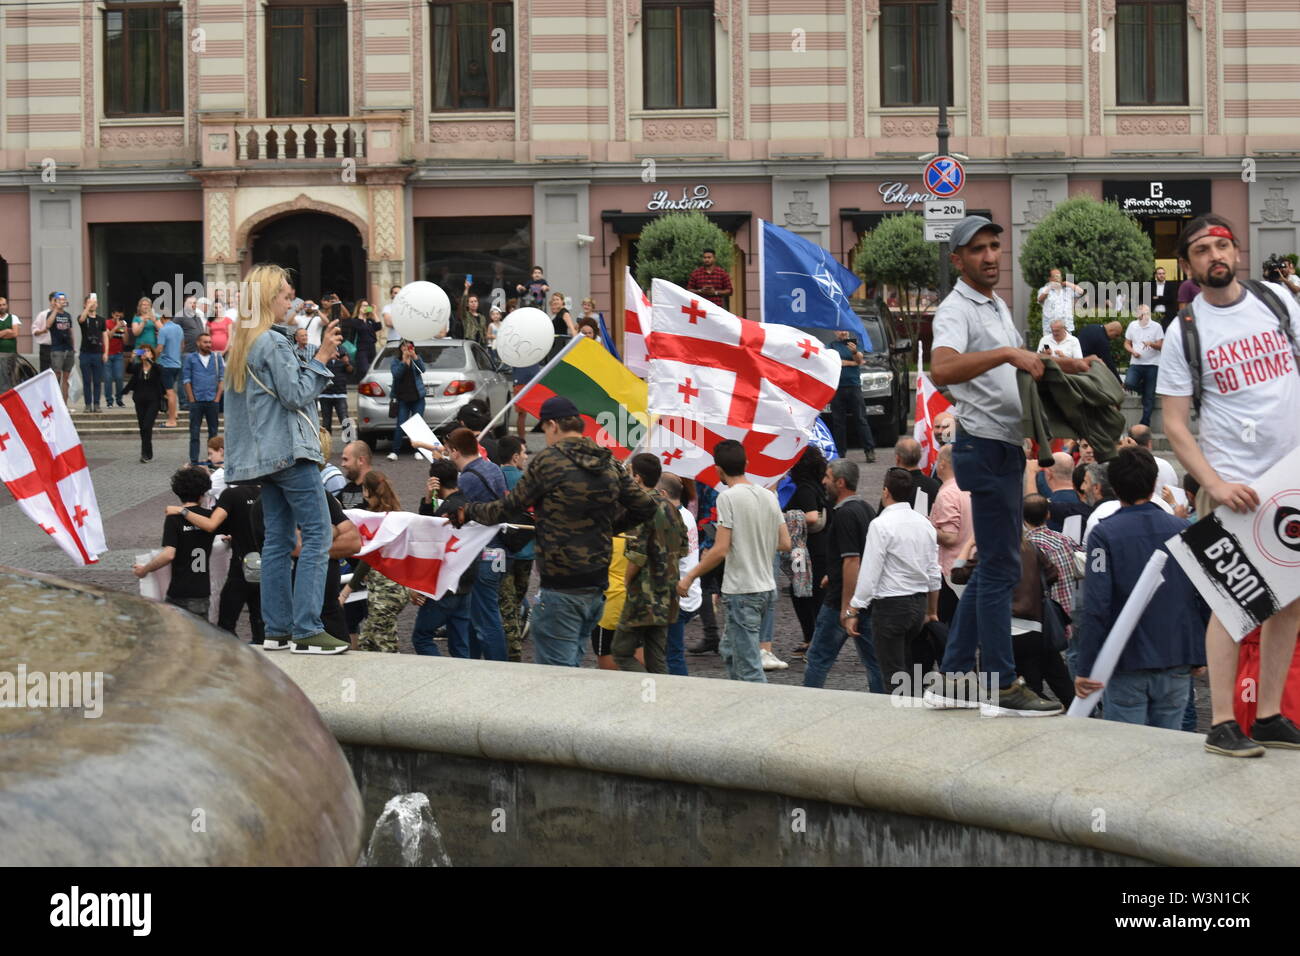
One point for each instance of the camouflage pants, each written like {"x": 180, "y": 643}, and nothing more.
{"x": 514, "y": 586}
{"x": 379, "y": 629}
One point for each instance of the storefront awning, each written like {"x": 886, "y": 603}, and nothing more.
{"x": 631, "y": 223}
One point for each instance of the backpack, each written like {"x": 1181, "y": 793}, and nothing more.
{"x": 1192, "y": 338}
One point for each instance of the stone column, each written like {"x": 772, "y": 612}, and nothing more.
{"x": 1032, "y": 198}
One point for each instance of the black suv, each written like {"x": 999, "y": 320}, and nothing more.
{"x": 886, "y": 388}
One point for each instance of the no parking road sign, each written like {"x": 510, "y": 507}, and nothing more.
{"x": 944, "y": 176}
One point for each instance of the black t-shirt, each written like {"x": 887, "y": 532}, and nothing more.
{"x": 845, "y": 538}
{"x": 60, "y": 326}
{"x": 238, "y": 501}
{"x": 809, "y": 496}
{"x": 92, "y": 335}
{"x": 193, "y": 552}
{"x": 350, "y": 496}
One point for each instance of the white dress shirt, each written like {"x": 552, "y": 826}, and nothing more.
{"x": 1068, "y": 345}
{"x": 901, "y": 556}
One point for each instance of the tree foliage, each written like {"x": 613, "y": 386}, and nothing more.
{"x": 670, "y": 247}
{"x": 896, "y": 254}
{"x": 1094, "y": 244}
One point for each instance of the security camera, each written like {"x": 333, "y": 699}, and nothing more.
{"x": 585, "y": 240}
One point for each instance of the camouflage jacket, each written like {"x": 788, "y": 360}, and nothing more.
{"x": 581, "y": 497}
{"x": 656, "y": 548}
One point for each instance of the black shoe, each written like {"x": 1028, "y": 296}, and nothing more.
{"x": 1228, "y": 740}
{"x": 703, "y": 647}
{"x": 871, "y": 454}
{"x": 1276, "y": 731}
{"x": 145, "y": 459}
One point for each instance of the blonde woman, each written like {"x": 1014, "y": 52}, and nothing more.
{"x": 272, "y": 436}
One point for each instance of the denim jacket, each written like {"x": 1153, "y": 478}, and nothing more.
{"x": 267, "y": 433}
{"x": 398, "y": 371}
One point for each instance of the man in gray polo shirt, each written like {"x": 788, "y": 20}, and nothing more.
{"x": 977, "y": 350}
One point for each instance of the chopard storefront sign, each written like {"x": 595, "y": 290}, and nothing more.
{"x": 697, "y": 198}
{"x": 903, "y": 195}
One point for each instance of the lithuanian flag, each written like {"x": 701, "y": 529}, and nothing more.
{"x": 611, "y": 399}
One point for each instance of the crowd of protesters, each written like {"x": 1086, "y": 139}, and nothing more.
{"x": 983, "y": 580}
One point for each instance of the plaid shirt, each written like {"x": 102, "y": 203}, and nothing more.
{"x": 715, "y": 278}
{"x": 1060, "y": 551}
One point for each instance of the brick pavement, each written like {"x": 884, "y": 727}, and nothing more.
{"x": 132, "y": 497}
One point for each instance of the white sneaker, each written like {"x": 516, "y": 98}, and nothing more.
{"x": 392, "y": 456}
{"x": 418, "y": 457}
{"x": 771, "y": 662}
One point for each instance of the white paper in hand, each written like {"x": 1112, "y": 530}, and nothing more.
{"x": 922, "y": 504}
{"x": 417, "y": 429}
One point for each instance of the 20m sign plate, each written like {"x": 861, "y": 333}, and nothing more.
{"x": 1247, "y": 567}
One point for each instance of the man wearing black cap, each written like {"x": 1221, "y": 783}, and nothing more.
{"x": 977, "y": 350}
{"x": 581, "y": 497}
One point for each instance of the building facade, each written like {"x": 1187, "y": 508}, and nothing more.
{"x": 367, "y": 143}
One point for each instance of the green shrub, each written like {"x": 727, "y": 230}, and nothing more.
{"x": 1092, "y": 243}
{"x": 670, "y": 247}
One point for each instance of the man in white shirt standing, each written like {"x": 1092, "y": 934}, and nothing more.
{"x": 41, "y": 333}
{"x": 751, "y": 529}
{"x": 1057, "y": 299}
{"x": 387, "y": 315}
{"x": 1060, "y": 343}
{"x": 1250, "y": 420}
{"x": 1143, "y": 341}
{"x": 898, "y": 580}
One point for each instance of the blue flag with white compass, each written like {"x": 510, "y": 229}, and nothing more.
{"x": 801, "y": 284}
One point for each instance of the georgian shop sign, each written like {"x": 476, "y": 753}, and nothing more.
{"x": 697, "y": 198}
{"x": 902, "y": 194}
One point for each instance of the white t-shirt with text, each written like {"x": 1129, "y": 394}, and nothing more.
{"x": 694, "y": 595}
{"x": 1250, "y": 400}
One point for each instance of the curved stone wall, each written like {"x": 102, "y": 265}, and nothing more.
{"x": 1055, "y": 789}
{"x": 203, "y": 752}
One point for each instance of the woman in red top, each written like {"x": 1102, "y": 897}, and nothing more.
{"x": 219, "y": 328}
{"x": 115, "y": 333}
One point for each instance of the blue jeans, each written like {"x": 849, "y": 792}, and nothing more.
{"x": 294, "y": 498}
{"x": 993, "y": 472}
{"x": 739, "y": 645}
{"x": 92, "y": 374}
{"x": 451, "y": 610}
{"x": 114, "y": 379}
{"x": 561, "y": 625}
{"x": 677, "y": 644}
{"x": 485, "y": 612}
{"x": 1189, "y": 715}
{"x": 1142, "y": 379}
{"x": 404, "y": 411}
{"x": 199, "y": 411}
{"x": 1156, "y": 698}
{"x": 828, "y": 637}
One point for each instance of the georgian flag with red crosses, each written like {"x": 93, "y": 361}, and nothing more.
{"x": 43, "y": 465}
{"x": 423, "y": 553}
{"x": 721, "y": 370}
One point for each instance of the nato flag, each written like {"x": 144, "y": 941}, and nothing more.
{"x": 802, "y": 285}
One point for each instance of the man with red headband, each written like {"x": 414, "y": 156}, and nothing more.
{"x": 1250, "y": 420}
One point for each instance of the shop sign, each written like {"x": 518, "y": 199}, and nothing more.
{"x": 903, "y": 195}
{"x": 697, "y": 198}
{"x": 1160, "y": 198}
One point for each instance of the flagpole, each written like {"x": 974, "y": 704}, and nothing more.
{"x": 762, "y": 283}
{"x": 559, "y": 356}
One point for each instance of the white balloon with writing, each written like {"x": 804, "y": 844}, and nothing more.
{"x": 525, "y": 337}
{"x": 420, "y": 311}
